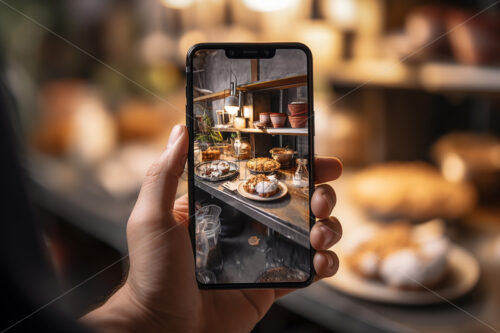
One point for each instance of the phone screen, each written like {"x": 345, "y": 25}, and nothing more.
{"x": 250, "y": 164}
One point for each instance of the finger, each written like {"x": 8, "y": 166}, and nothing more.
{"x": 159, "y": 187}
{"x": 326, "y": 169}
{"x": 326, "y": 264}
{"x": 323, "y": 200}
{"x": 325, "y": 233}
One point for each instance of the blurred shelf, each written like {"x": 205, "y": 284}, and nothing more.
{"x": 70, "y": 193}
{"x": 440, "y": 76}
{"x": 213, "y": 96}
{"x": 272, "y": 131}
{"x": 55, "y": 184}
{"x": 373, "y": 72}
{"x": 430, "y": 76}
{"x": 283, "y": 83}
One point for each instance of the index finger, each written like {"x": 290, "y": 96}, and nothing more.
{"x": 326, "y": 169}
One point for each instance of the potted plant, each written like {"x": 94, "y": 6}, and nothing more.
{"x": 206, "y": 134}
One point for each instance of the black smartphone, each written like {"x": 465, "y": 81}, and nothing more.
{"x": 250, "y": 164}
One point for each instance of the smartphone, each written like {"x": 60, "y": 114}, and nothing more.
{"x": 250, "y": 164}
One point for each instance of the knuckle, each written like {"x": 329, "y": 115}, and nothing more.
{"x": 154, "y": 170}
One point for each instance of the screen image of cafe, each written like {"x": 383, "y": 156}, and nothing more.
{"x": 251, "y": 172}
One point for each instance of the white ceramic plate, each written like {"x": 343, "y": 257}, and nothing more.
{"x": 463, "y": 276}
{"x": 282, "y": 192}
{"x": 233, "y": 170}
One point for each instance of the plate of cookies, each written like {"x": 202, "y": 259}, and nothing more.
{"x": 216, "y": 170}
{"x": 263, "y": 165}
{"x": 261, "y": 187}
{"x": 403, "y": 263}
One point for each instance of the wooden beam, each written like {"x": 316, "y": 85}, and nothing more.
{"x": 213, "y": 96}
{"x": 286, "y": 82}
{"x": 254, "y": 69}
{"x": 283, "y": 83}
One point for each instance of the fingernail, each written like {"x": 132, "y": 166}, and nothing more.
{"x": 328, "y": 198}
{"x": 175, "y": 135}
{"x": 327, "y": 235}
{"x": 330, "y": 261}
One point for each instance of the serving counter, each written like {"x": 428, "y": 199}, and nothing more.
{"x": 288, "y": 216}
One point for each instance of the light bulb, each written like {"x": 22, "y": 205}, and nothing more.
{"x": 231, "y": 109}
{"x": 269, "y": 5}
{"x": 177, "y": 4}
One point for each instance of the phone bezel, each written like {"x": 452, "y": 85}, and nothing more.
{"x": 259, "y": 47}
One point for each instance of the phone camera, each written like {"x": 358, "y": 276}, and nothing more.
{"x": 231, "y": 53}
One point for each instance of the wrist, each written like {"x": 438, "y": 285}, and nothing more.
{"x": 121, "y": 313}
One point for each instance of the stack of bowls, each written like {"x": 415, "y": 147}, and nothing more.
{"x": 264, "y": 118}
{"x": 278, "y": 119}
{"x": 298, "y": 114}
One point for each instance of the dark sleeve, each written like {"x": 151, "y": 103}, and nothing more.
{"x": 27, "y": 281}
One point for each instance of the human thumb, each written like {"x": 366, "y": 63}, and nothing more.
{"x": 159, "y": 187}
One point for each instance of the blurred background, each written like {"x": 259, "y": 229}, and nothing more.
{"x": 407, "y": 94}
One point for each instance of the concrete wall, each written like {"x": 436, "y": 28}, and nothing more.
{"x": 214, "y": 73}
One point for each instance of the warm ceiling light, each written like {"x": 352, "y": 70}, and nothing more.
{"x": 342, "y": 12}
{"x": 322, "y": 39}
{"x": 269, "y": 5}
{"x": 231, "y": 105}
{"x": 177, "y": 4}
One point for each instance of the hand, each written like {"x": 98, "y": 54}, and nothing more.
{"x": 161, "y": 293}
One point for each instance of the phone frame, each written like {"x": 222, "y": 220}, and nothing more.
{"x": 260, "y": 48}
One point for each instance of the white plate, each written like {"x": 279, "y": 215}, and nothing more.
{"x": 233, "y": 170}
{"x": 462, "y": 277}
{"x": 283, "y": 191}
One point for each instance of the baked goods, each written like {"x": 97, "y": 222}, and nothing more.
{"x": 245, "y": 152}
{"x": 410, "y": 190}
{"x": 210, "y": 154}
{"x": 263, "y": 164}
{"x": 140, "y": 120}
{"x": 214, "y": 170}
{"x": 223, "y": 167}
{"x": 401, "y": 255}
{"x": 74, "y": 121}
{"x": 284, "y": 156}
{"x": 262, "y": 185}
{"x": 473, "y": 157}
{"x": 254, "y": 240}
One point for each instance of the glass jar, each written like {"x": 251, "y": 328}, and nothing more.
{"x": 242, "y": 150}
{"x": 210, "y": 153}
{"x": 301, "y": 176}
{"x": 208, "y": 250}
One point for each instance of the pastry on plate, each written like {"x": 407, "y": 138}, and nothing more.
{"x": 261, "y": 185}
{"x": 410, "y": 190}
{"x": 263, "y": 164}
{"x": 223, "y": 167}
{"x": 214, "y": 170}
{"x": 401, "y": 255}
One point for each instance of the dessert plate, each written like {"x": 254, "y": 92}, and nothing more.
{"x": 283, "y": 190}
{"x": 265, "y": 172}
{"x": 462, "y": 277}
{"x": 233, "y": 170}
